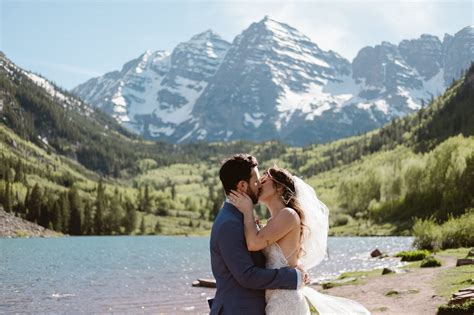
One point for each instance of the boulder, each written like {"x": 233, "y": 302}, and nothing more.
{"x": 386, "y": 271}
{"x": 375, "y": 253}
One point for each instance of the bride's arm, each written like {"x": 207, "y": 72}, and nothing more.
{"x": 275, "y": 229}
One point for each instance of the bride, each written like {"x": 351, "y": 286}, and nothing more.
{"x": 295, "y": 235}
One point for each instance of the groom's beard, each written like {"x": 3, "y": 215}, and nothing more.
{"x": 252, "y": 196}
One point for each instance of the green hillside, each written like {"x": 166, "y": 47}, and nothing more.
{"x": 93, "y": 177}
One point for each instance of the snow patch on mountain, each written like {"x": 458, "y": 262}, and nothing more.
{"x": 250, "y": 119}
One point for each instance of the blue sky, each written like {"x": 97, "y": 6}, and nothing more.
{"x": 70, "y": 41}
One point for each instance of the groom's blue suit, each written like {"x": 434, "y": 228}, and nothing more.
{"x": 241, "y": 276}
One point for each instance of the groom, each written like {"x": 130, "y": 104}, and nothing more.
{"x": 241, "y": 276}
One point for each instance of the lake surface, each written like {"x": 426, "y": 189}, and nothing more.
{"x": 139, "y": 274}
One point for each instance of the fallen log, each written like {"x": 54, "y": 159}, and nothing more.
{"x": 206, "y": 283}
{"x": 464, "y": 261}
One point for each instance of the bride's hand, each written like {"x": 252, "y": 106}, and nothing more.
{"x": 241, "y": 201}
{"x": 306, "y": 276}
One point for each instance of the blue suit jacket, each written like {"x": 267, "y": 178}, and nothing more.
{"x": 241, "y": 277}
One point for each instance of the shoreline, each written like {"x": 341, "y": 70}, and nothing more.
{"x": 414, "y": 291}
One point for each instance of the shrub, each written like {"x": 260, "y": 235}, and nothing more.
{"x": 430, "y": 262}
{"x": 413, "y": 255}
{"x": 458, "y": 232}
{"x": 340, "y": 219}
{"x": 458, "y": 309}
{"x": 427, "y": 234}
{"x": 454, "y": 233}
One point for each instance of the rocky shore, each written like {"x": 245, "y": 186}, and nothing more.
{"x": 13, "y": 226}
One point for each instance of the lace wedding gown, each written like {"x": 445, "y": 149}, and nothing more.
{"x": 298, "y": 302}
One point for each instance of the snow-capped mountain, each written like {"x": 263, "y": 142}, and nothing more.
{"x": 271, "y": 73}
{"x": 156, "y": 92}
{"x": 273, "y": 82}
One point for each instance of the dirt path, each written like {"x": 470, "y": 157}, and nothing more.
{"x": 421, "y": 300}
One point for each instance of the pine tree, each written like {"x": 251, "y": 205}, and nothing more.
{"x": 10, "y": 175}
{"x": 7, "y": 201}
{"x": 34, "y": 204}
{"x": 187, "y": 203}
{"x": 202, "y": 215}
{"x": 130, "y": 218}
{"x": 46, "y": 205}
{"x": 88, "y": 225}
{"x": 173, "y": 192}
{"x": 147, "y": 200}
{"x": 216, "y": 205}
{"x": 65, "y": 211}
{"x": 115, "y": 214}
{"x": 158, "y": 228}
{"x": 140, "y": 200}
{"x": 467, "y": 181}
{"x": 19, "y": 173}
{"x": 2, "y": 192}
{"x": 142, "y": 226}
{"x": 75, "y": 220}
{"x": 57, "y": 221}
{"x": 19, "y": 207}
{"x": 100, "y": 206}
{"x": 27, "y": 197}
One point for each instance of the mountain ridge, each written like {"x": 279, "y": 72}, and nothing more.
{"x": 273, "y": 82}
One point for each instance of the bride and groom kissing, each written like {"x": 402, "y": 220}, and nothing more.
{"x": 263, "y": 270}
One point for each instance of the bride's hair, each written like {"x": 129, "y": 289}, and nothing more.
{"x": 283, "y": 179}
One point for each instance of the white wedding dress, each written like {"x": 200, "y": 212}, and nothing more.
{"x": 307, "y": 300}
{"x": 297, "y": 302}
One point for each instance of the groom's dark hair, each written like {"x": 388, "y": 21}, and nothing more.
{"x": 236, "y": 168}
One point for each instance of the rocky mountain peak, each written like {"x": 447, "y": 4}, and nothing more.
{"x": 273, "y": 82}
{"x": 207, "y": 35}
{"x": 459, "y": 53}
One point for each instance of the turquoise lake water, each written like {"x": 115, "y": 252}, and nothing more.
{"x": 139, "y": 274}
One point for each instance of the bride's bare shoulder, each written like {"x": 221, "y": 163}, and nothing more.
{"x": 291, "y": 214}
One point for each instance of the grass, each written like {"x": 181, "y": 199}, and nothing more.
{"x": 454, "y": 252}
{"x": 413, "y": 255}
{"x": 25, "y": 233}
{"x": 362, "y": 228}
{"x": 22, "y": 233}
{"x": 430, "y": 262}
{"x": 448, "y": 282}
{"x": 352, "y": 278}
{"x": 451, "y": 280}
{"x": 173, "y": 225}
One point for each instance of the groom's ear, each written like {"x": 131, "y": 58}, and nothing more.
{"x": 242, "y": 186}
